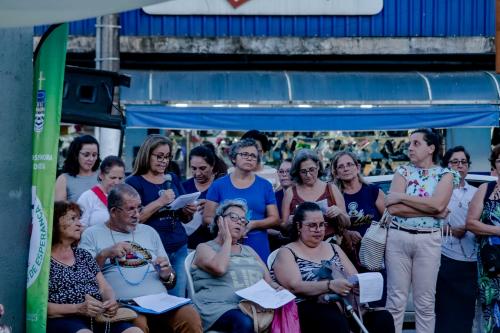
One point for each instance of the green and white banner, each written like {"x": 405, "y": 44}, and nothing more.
{"x": 48, "y": 80}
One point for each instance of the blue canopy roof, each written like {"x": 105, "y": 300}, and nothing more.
{"x": 308, "y": 101}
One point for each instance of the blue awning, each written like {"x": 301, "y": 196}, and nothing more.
{"x": 310, "y": 101}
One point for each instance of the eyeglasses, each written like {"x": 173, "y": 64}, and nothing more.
{"x": 161, "y": 158}
{"x": 132, "y": 211}
{"x": 236, "y": 218}
{"x": 457, "y": 162}
{"x": 345, "y": 166}
{"x": 315, "y": 226}
{"x": 284, "y": 172}
{"x": 87, "y": 154}
{"x": 311, "y": 170}
{"x": 248, "y": 156}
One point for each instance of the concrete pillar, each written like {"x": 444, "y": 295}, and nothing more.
{"x": 16, "y": 76}
{"x": 108, "y": 58}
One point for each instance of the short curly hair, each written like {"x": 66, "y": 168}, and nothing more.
{"x": 236, "y": 147}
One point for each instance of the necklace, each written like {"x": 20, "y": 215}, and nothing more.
{"x": 132, "y": 283}
{"x": 460, "y": 202}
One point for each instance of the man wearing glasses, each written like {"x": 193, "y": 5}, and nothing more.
{"x": 134, "y": 262}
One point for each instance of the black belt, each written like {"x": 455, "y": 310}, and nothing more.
{"x": 413, "y": 231}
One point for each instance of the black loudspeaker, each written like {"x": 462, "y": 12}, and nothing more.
{"x": 88, "y": 97}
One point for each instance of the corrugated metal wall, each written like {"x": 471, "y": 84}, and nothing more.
{"x": 399, "y": 18}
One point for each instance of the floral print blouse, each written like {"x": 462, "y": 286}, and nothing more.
{"x": 422, "y": 183}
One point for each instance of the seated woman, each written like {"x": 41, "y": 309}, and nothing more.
{"x": 77, "y": 289}
{"x": 300, "y": 267}
{"x": 223, "y": 266}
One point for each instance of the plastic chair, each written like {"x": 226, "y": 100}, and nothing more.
{"x": 271, "y": 258}
{"x": 190, "y": 285}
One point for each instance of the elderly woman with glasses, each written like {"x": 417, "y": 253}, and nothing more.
{"x": 305, "y": 172}
{"x": 310, "y": 268}
{"x": 157, "y": 189}
{"x": 223, "y": 266}
{"x": 257, "y": 192}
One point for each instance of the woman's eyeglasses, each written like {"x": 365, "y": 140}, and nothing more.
{"x": 161, "y": 158}
{"x": 346, "y": 166}
{"x": 311, "y": 170}
{"x": 87, "y": 154}
{"x": 248, "y": 156}
{"x": 457, "y": 162}
{"x": 315, "y": 226}
{"x": 236, "y": 218}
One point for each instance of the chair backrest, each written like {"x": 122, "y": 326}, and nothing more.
{"x": 187, "y": 269}
{"x": 271, "y": 258}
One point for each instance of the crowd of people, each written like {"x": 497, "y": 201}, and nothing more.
{"x": 115, "y": 238}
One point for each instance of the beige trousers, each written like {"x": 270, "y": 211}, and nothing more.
{"x": 412, "y": 260}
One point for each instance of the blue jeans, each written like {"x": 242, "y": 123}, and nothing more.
{"x": 177, "y": 259}
{"x": 234, "y": 321}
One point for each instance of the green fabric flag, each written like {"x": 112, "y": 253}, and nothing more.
{"x": 48, "y": 80}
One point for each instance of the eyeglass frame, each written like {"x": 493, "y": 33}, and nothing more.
{"x": 139, "y": 210}
{"x": 313, "y": 226}
{"x": 348, "y": 165}
{"x": 311, "y": 170}
{"x": 241, "y": 219}
{"x": 161, "y": 158}
{"x": 458, "y": 162}
{"x": 248, "y": 156}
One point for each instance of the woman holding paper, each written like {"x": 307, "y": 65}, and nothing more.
{"x": 305, "y": 172}
{"x": 158, "y": 189}
{"x": 310, "y": 268}
{"x": 223, "y": 266}
{"x": 202, "y": 163}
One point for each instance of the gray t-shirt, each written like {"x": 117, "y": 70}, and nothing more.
{"x": 215, "y": 295}
{"x": 136, "y": 268}
{"x": 76, "y": 185}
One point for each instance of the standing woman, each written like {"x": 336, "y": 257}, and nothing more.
{"x": 364, "y": 202}
{"x": 94, "y": 202}
{"x": 305, "y": 171}
{"x": 245, "y": 185}
{"x": 202, "y": 163}
{"x": 483, "y": 219}
{"x": 158, "y": 189}
{"x": 456, "y": 288}
{"x": 418, "y": 201}
{"x": 79, "y": 169}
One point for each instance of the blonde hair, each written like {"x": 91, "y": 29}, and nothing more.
{"x": 335, "y": 160}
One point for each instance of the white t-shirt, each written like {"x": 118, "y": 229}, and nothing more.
{"x": 136, "y": 267}
{"x": 93, "y": 209}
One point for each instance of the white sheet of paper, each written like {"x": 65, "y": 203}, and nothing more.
{"x": 323, "y": 205}
{"x": 264, "y": 295}
{"x": 159, "y": 302}
{"x": 371, "y": 286}
{"x": 183, "y": 200}
{"x": 194, "y": 224}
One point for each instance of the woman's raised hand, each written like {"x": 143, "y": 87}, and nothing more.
{"x": 333, "y": 211}
{"x": 224, "y": 232}
{"x": 167, "y": 197}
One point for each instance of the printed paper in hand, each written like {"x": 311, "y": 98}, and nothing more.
{"x": 183, "y": 200}
{"x": 161, "y": 302}
{"x": 264, "y": 295}
{"x": 371, "y": 286}
{"x": 323, "y": 205}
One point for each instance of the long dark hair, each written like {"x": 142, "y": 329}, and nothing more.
{"x": 71, "y": 165}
